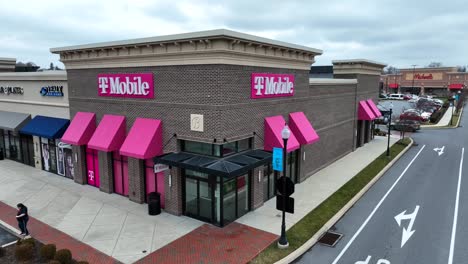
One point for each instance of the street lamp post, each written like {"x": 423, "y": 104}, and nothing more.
{"x": 283, "y": 242}
{"x": 389, "y": 124}
{"x": 412, "y": 85}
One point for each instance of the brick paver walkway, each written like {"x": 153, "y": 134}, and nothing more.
{"x": 49, "y": 235}
{"x": 235, "y": 243}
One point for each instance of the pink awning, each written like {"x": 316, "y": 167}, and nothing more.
{"x": 302, "y": 128}
{"x": 374, "y": 108}
{"x": 80, "y": 129}
{"x": 144, "y": 140}
{"x": 456, "y": 86}
{"x": 272, "y": 135}
{"x": 364, "y": 112}
{"x": 110, "y": 134}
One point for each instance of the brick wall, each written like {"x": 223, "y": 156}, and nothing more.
{"x": 173, "y": 193}
{"x": 79, "y": 164}
{"x": 106, "y": 172}
{"x": 136, "y": 180}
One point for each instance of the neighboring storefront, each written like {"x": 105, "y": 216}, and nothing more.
{"x": 440, "y": 81}
{"x": 196, "y": 116}
{"x": 35, "y": 100}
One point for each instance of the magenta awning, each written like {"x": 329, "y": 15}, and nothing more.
{"x": 302, "y": 128}
{"x": 80, "y": 129}
{"x": 374, "y": 108}
{"x": 456, "y": 86}
{"x": 109, "y": 134}
{"x": 364, "y": 112}
{"x": 393, "y": 86}
{"x": 144, "y": 140}
{"x": 272, "y": 135}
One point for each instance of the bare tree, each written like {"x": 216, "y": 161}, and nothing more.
{"x": 435, "y": 64}
{"x": 391, "y": 70}
{"x": 461, "y": 68}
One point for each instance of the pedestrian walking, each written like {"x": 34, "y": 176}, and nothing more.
{"x": 22, "y": 217}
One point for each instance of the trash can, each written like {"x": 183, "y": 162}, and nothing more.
{"x": 154, "y": 203}
{"x": 1, "y": 154}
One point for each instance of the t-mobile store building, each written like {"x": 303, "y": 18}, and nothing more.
{"x": 195, "y": 117}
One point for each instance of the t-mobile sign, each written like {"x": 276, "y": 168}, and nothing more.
{"x": 130, "y": 85}
{"x": 267, "y": 85}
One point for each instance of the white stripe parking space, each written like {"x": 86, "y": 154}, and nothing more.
{"x": 366, "y": 221}
{"x": 455, "y": 213}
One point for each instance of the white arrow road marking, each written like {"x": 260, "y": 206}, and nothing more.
{"x": 375, "y": 209}
{"x": 407, "y": 232}
{"x": 439, "y": 151}
{"x": 455, "y": 213}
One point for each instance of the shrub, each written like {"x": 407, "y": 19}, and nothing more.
{"x": 377, "y": 130}
{"x": 54, "y": 262}
{"x": 64, "y": 256}
{"x": 82, "y": 262}
{"x": 2, "y": 252}
{"x": 48, "y": 251}
{"x": 30, "y": 241}
{"x": 24, "y": 252}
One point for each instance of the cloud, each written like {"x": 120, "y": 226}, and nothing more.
{"x": 396, "y": 32}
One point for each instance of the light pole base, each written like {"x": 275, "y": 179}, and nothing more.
{"x": 281, "y": 246}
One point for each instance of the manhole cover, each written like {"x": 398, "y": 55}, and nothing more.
{"x": 330, "y": 239}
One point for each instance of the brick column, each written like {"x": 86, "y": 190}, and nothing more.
{"x": 79, "y": 164}
{"x": 136, "y": 180}
{"x": 106, "y": 172}
{"x": 173, "y": 193}
{"x": 257, "y": 188}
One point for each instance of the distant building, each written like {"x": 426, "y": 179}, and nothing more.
{"x": 432, "y": 81}
{"x": 321, "y": 72}
{"x": 7, "y": 64}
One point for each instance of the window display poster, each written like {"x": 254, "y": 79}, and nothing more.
{"x": 45, "y": 156}
{"x": 68, "y": 160}
{"x": 60, "y": 162}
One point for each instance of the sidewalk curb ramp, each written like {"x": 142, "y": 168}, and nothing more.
{"x": 311, "y": 242}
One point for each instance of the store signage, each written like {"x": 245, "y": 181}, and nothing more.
{"x": 423, "y": 76}
{"x": 160, "y": 167}
{"x": 196, "y": 122}
{"x": 268, "y": 85}
{"x": 52, "y": 91}
{"x": 277, "y": 160}
{"x": 129, "y": 85}
{"x": 11, "y": 90}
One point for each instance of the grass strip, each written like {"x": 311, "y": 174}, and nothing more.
{"x": 303, "y": 230}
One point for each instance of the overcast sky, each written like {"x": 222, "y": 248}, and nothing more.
{"x": 397, "y": 32}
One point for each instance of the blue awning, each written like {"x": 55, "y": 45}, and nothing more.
{"x": 44, "y": 126}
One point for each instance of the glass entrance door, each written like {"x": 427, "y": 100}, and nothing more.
{"x": 199, "y": 199}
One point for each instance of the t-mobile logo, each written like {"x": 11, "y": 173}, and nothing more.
{"x": 103, "y": 84}
{"x": 259, "y": 84}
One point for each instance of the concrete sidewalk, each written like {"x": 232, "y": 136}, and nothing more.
{"x": 317, "y": 188}
{"x": 108, "y": 222}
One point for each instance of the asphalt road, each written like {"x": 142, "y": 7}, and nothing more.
{"x": 426, "y": 192}
{"x": 6, "y": 237}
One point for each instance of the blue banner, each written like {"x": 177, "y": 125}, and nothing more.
{"x": 277, "y": 159}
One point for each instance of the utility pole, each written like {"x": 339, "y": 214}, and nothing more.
{"x": 412, "y": 85}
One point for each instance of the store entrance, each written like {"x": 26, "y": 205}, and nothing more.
{"x": 199, "y": 198}
{"x": 92, "y": 166}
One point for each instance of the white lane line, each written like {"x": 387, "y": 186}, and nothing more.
{"x": 375, "y": 209}
{"x": 455, "y": 213}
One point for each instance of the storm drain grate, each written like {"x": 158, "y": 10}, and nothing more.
{"x": 330, "y": 239}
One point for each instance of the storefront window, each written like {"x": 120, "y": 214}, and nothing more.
{"x": 229, "y": 148}
{"x": 243, "y": 144}
{"x": 242, "y": 195}
{"x": 229, "y": 201}
{"x": 197, "y": 147}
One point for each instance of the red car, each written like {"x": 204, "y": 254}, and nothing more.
{"x": 407, "y": 96}
{"x": 412, "y": 116}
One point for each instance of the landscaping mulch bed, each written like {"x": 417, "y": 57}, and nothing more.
{"x": 10, "y": 255}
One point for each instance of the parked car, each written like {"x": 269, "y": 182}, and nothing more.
{"x": 395, "y": 97}
{"x": 406, "y": 125}
{"x": 407, "y": 96}
{"x": 412, "y": 116}
{"x": 425, "y": 115}
{"x": 383, "y": 96}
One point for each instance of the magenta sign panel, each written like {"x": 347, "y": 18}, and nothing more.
{"x": 268, "y": 85}
{"x": 129, "y": 85}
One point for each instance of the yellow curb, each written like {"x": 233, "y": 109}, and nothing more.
{"x": 309, "y": 243}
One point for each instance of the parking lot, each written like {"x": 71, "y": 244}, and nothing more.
{"x": 398, "y": 106}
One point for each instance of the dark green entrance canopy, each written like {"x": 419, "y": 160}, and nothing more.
{"x": 227, "y": 167}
